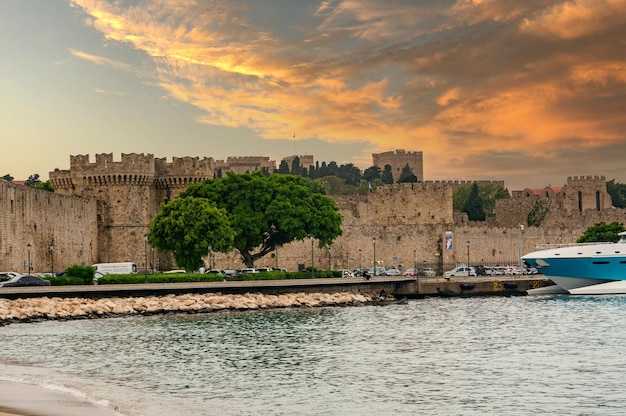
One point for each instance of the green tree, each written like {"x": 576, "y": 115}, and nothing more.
{"x": 602, "y": 232}
{"x": 371, "y": 174}
{"x": 617, "y": 192}
{"x": 33, "y": 180}
{"x": 488, "y": 192}
{"x": 187, "y": 226}
{"x": 387, "y": 175}
{"x": 45, "y": 186}
{"x": 283, "y": 167}
{"x": 7, "y": 177}
{"x": 407, "y": 175}
{"x": 268, "y": 212}
{"x": 474, "y": 205}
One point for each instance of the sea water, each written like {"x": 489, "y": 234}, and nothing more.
{"x": 557, "y": 355}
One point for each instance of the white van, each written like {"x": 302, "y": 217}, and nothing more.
{"x": 115, "y": 268}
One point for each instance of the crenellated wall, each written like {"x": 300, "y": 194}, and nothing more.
{"x": 398, "y": 159}
{"x": 100, "y": 212}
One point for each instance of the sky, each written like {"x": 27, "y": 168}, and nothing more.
{"x": 529, "y": 92}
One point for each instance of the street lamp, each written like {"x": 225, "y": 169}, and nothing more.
{"x": 145, "y": 260}
{"x": 375, "y": 268}
{"x": 468, "y": 258}
{"x": 51, "y": 251}
{"x": 360, "y": 260}
{"x": 328, "y": 258}
{"x": 28, "y": 247}
{"x": 415, "y": 261}
{"x": 210, "y": 257}
{"x": 312, "y": 262}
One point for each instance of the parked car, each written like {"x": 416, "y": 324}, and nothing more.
{"x": 427, "y": 271}
{"x": 6, "y": 276}
{"x": 347, "y": 273}
{"x": 248, "y": 270}
{"x": 26, "y": 280}
{"x": 229, "y": 273}
{"x": 461, "y": 271}
{"x": 393, "y": 272}
{"x": 411, "y": 272}
{"x": 480, "y": 270}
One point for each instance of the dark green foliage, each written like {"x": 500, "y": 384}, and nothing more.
{"x": 187, "y": 226}
{"x": 44, "y": 186}
{"x": 296, "y": 169}
{"x": 66, "y": 280}
{"x": 407, "y": 175}
{"x": 33, "y": 180}
{"x": 278, "y": 275}
{"x": 123, "y": 279}
{"x": 371, "y": 174}
{"x": 488, "y": 192}
{"x": 268, "y": 212}
{"x": 602, "y": 232}
{"x": 387, "y": 175}
{"x": 538, "y": 212}
{"x": 474, "y": 205}
{"x": 617, "y": 192}
{"x": 7, "y": 177}
{"x": 283, "y": 167}
{"x": 84, "y": 273}
{"x": 350, "y": 174}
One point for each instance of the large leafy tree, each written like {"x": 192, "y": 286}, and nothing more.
{"x": 602, "y": 232}
{"x": 268, "y": 212}
{"x": 387, "y": 175}
{"x": 187, "y": 226}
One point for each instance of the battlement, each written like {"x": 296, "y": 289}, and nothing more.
{"x": 130, "y": 163}
{"x": 588, "y": 178}
{"x": 466, "y": 183}
{"x": 185, "y": 166}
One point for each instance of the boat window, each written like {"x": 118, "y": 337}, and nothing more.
{"x": 601, "y": 262}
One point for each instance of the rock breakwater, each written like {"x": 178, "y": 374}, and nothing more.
{"x": 55, "y": 308}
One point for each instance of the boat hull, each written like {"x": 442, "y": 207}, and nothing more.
{"x": 576, "y": 267}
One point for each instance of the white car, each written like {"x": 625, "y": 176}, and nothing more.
{"x": 429, "y": 272}
{"x": 461, "y": 271}
{"x": 393, "y": 272}
{"x": 6, "y": 276}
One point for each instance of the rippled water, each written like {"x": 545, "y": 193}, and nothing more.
{"x": 466, "y": 356}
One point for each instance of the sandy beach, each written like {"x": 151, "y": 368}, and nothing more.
{"x": 20, "y": 399}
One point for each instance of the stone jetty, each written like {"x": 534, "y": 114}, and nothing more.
{"x": 56, "y": 308}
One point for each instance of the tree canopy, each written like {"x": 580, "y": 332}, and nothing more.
{"x": 187, "y": 226}
{"x": 407, "y": 175}
{"x": 268, "y": 212}
{"x": 602, "y": 232}
{"x": 618, "y": 193}
{"x": 474, "y": 205}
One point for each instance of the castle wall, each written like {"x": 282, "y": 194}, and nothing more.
{"x": 41, "y": 218}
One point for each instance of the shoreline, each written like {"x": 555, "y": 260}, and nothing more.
{"x": 25, "y": 399}
{"x": 29, "y": 310}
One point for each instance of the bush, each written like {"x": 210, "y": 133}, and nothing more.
{"x": 65, "y": 280}
{"x": 118, "y": 279}
{"x": 84, "y": 273}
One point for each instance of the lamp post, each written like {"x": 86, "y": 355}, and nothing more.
{"x": 328, "y": 258}
{"x": 158, "y": 263}
{"x": 152, "y": 258}
{"x": 145, "y": 260}
{"x": 360, "y": 260}
{"x": 51, "y": 251}
{"x": 210, "y": 257}
{"x": 468, "y": 258}
{"x": 312, "y": 262}
{"x": 28, "y": 247}
{"x": 415, "y": 261}
{"x": 375, "y": 268}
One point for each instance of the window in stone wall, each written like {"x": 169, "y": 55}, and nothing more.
{"x": 597, "y": 200}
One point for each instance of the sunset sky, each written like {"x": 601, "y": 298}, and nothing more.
{"x": 528, "y": 92}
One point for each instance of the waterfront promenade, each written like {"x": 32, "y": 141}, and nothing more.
{"x": 398, "y": 286}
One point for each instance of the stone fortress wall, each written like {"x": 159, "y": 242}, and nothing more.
{"x": 100, "y": 212}
{"x": 60, "y": 229}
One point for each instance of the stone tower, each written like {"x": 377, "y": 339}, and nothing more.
{"x": 398, "y": 160}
